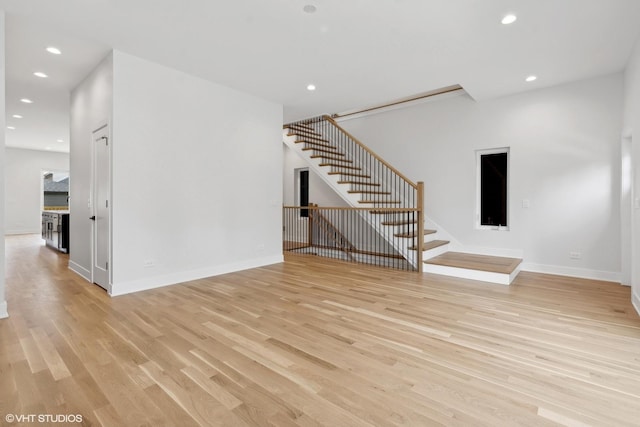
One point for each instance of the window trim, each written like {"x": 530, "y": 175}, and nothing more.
{"x": 479, "y": 154}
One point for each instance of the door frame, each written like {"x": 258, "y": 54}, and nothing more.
{"x": 92, "y": 204}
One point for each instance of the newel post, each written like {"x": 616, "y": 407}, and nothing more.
{"x": 420, "y": 233}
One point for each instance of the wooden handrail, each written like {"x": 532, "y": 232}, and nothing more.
{"x": 441, "y": 91}
{"x": 368, "y": 150}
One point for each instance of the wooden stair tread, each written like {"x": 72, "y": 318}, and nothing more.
{"x": 369, "y": 192}
{"x": 300, "y": 125}
{"x": 386, "y": 202}
{"x": 359, "y": 183}
{"x": 317, "y": 144}
{"x": 307, "y": 136}
{"x": 432, "y": 244}
{"x": 488, "y": 263}
{"x": 330, "y": 158}
{"x": 349, "y": 174}
{"x": 305, "y": 129}
{"x": 341, "y": 166}
{"x": 401, "y": 222}
{"x": 415, "y": 234}
{"x": 322, "y": 150}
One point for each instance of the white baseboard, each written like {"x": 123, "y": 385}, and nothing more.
{"x": 22, "y": 231}
{"x": 3, "y": 310}
{"x": 145, "y": 284}
{"x": 635, "y": 300}
{"x": 80, "y": 271}
{"x": 608, "y": 276}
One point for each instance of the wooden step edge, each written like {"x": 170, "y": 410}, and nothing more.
{"x": 349, "y": 174}
{"x": 385, "y": 202}
{"x": 371, "y": 184}
{"x": 341, "y": 166}
{"x": 394, "y": 223}
{"x": 385, "y": 193}
{"x": 432, "y": 245}
{"x": 321, "y": 150}
{"x": 304, "y": 135}
{"x": 301, "y": 128}
{"x": 413, "y": 234}
{"x": 331, "y": 149}
{"x": 301, "y": 125}
{"x": 333, "y": 159}
{"x": 317, "y": 144}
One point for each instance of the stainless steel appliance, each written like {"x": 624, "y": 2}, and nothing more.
{"x": 55, "y": 229}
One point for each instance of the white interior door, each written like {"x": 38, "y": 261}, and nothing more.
{"x": 101, "y": 209}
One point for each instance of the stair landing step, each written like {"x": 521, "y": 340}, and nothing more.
{"x": 431, "y": 245}
{"x": 486, "y": 263}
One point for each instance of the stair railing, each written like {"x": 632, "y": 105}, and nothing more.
{"x": 377, "y": 181}
{"x": 340, "y": 233}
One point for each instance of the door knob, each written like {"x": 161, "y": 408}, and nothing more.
{"x": 92, "y": 218}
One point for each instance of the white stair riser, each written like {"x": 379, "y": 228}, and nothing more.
{"x": 483, "y": 276}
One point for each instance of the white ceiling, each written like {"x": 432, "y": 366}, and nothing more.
{"x": 357, "y": 52}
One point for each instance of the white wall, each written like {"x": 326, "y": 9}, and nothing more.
{"x": 23, "y": 187}
{"x": 91, "y": 107}
{"x": 564, "y": 159}
{"x": 3, "y": 302}
{"x": 197, "y": 177}
{"x": 632, "y": 132}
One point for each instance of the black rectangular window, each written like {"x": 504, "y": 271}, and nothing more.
{"x": 493, "y": 189}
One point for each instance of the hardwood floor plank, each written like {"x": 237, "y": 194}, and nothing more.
{"x": 314, "y": 342}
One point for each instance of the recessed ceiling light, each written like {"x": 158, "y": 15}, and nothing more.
{"x": 11, "y": 127}
{"x": 54, "y": 50}
{"x": 531, "y": 78}
{"x": 310, "y": 8}
{"x": 17, "y": 116}
{"x": 48, "y": 148}
{"x": 59, "y": 140}
{"x": 509, "y": 19}
{"x": 26, "y": 101}
{"x": 40, "y": 74}
{"x": 311, "y": 87}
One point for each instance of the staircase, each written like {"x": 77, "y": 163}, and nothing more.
{"x": 386, "y": 200}
{"x": 389, "y": 202}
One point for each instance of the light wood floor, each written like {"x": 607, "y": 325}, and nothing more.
{"x": 312, "y": 343}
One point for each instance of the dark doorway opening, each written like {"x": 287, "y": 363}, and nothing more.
{"x": 303, "y": 188}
